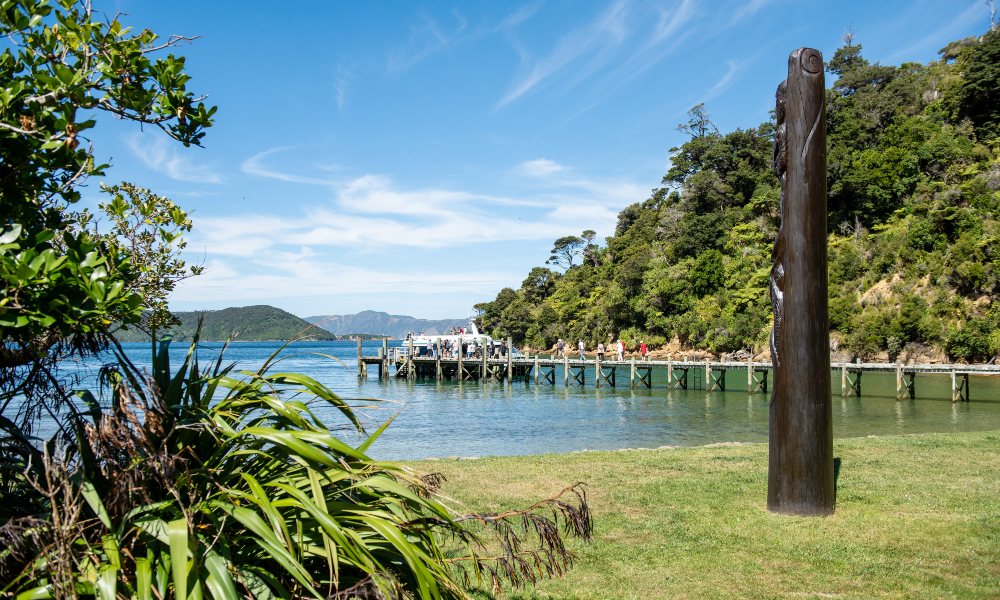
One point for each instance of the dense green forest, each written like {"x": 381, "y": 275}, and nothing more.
{"x": 914, "y": 222}
{"x": 241, "y": 324}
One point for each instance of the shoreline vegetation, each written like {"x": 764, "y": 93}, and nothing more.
{"x": 917, "y": 516}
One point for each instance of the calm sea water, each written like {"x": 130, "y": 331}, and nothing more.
{"x": 441, "y": 419}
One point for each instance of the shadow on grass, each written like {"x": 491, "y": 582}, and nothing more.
{"x": 836, "y": 477}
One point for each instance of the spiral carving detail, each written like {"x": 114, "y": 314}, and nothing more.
{"x": 811, "y": 61}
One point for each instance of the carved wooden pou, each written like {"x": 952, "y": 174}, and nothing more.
{"x": 800, "y": 478}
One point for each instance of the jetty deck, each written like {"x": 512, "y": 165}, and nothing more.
{"x": 683, "y": 374}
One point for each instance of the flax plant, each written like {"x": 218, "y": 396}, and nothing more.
{"x": 227, "y": 484}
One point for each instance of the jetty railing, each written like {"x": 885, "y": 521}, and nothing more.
{"x": 403, "y": 362}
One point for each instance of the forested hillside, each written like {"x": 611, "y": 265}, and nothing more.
{"x": 914, "y": 218}
{"x": 241, "y": 324}
{"x": 374, "y": 323}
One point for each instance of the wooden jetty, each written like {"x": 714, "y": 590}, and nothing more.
{"x": 681, "y": 374}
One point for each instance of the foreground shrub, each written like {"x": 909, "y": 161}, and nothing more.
{"x": 226, "y": 484}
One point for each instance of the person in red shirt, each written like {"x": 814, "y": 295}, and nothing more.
{"x": 643, "y": 351}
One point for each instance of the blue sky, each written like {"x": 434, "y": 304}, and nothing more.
{"x": 417, "y": 157}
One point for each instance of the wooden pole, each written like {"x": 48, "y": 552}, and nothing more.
{"x": 800, "y": 457}
{"x": 631, "y": 375}
{"x": 361, "y": 362}
{"x": 485, "y": 369}
{"x": 409, "y": 361}
{"x": 384, "y": 372}
{"x": 565, "y": 370}
{"x": 510, "y": 360}
{"x": 670, "y": 372}
{"x": 597, "y": 371}
{"x": 750, "y": 375}
{"x": 461, "y": 355}
{"x": 899, "y": 380}
{"x": 955, "y": 396}
{"x": 438, "y": 373}
{"x": 536, "y": 369}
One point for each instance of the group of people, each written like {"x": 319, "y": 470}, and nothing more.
{"x": 618, "y": 348}
{"x": 472, "y": 349}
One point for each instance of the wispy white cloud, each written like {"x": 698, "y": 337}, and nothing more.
{"x": 732, "y": 67}
{"x": 597, "y": 39}
{"x": 540, "y": 167}
{"x": 273, "y": 279}
{"x": 373, "y": 211}
{"x": 426, "y": 39}
{"x": 667, "y": 35}
{"x": 158, "y": 154}
{"x": 747, "y": 9}
{"x": 255, "y": 165}
{"x": 342, "y": 77}
{"x": 519, "y": 16}
{"x": 617, "y": 46}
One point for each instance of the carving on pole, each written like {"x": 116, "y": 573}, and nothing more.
{"x": 778, "y": 253}
{"x": 800, "y": 458}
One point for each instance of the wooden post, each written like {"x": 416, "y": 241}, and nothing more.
{"x": 750, "y": 375}
{"x": 536, "y": 369}
{"x": 461, "y": 356}
{"x": 800, "y": 456}
{"x": 565, "y": 369}
{"x": 955, "y": 396}
{"x": 899, "y": 381}
{"x": 485, "y": 369}
{"x": 361, "y": 362}
{"x": 384, "y": 372}
{"x": 843, "y": 379}
{"x": 631, "y": 375}
{"x": 438, "y": 373}
{"x": 510, "y": 359}
{"x": 708, "y": 377}
{"x": 409, "y": 362}
{"x": 670, "y": 372}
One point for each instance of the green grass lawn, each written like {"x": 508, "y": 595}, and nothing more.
{"x": 917, "y": 517}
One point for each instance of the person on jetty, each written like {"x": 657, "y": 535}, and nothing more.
{"x": 620, "y": 348}
{"x": 560, "y": 348}
{"x": 600, "y": 351}
{"x": 581, "y": 348}
{"x": 643, "y": 351}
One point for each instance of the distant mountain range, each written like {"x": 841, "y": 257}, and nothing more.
{"x": 379, "y": 323}
{"x": 240, "y": 324}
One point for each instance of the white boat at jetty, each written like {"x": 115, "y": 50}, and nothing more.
{"x": 469, "y": 339}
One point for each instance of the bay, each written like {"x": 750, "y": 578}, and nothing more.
{"x": 444, "y": 419}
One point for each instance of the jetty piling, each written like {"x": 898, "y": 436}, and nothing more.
{"x": 362, "y": 366}
{"x": 678, "y": 373}
{"x": 438, "y": 373}
{"x": 383, "y": 372}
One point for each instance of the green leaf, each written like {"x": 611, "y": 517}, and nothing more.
{"x": 177, "y": 532}
{"x": 143, "y": 579}
{"x": 219, "y": 582}
{"x": 93, "y": 499}
{"x": 10, "y": 234}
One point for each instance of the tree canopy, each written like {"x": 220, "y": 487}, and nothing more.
{"x": 65, "y": 280}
